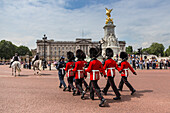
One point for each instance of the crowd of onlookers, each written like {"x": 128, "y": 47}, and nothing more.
{"x": 136, "y": 62}
{"x": 151, "y": 63}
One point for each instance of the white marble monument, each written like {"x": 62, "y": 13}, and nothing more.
{"x": 109, "y": 40}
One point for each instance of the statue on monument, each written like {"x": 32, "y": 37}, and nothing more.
{"x": 112, "y": 41}
{"x": 108, "y": 19}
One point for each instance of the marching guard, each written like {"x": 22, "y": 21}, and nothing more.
{"x": 85, "y": 73}
{"x": 110, "y": 65}
{"x": 79, "y": 72}
{"x": 95, "y": 68}
{"x": 124, "y": 72}
{"x": 70, "y": 73}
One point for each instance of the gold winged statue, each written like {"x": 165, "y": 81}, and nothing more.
{"x": 108, "y": 19}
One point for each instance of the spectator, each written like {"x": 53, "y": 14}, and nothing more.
{"x": 161, "y": 64}
{"x": 148, "y": 63}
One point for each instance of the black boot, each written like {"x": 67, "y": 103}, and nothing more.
{"x": 74, "y": 92}
{"x": 116, "y": 98}
{"x": 88, "y": 88}
{"x": 83, "y": 93}
{"x": 102, "y": 103}
{"x": 104, "y": 92}
{"x": 133, "y": 92}
{"x": 64, "y": 88}
{"x": 120, "y": 89}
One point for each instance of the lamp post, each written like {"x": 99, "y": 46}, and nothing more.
{"x": 44, "y": 60}
{"x": 59, "y": 53}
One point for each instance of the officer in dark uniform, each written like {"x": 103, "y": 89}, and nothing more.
{"x": 36, "y": 57}
{"x": 61, "y": 72}
{"x": 15, "y": 58}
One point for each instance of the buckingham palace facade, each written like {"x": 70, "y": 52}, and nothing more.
{"x": 55, "y": 49}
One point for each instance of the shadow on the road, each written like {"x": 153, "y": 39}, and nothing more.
{"x": 137, "y": 94}
{"x": 45, "y": 74}
{"x": 23, "y": 75}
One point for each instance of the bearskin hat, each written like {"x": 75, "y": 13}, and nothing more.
{"x": 93, "y": 52}
{"x": 84, "y": 56}
{"x": 109, "y": 52}
{"x": 70, "y": 55}
{"x": 123, "y": 55}
{"x": 79, "y": 53}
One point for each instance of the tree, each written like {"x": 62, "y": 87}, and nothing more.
{"x": 129, "y": 49}
{"x": 167, "y": 52}
{"x": 23, "y": 50}
{"x": 7, "y": 49}
{"x": 146, "y": 50}
{"x": 156, "y": 49}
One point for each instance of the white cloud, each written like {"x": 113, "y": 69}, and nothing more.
{"x": 138, "y": 22}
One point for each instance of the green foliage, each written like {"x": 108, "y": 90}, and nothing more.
{"x": 135, "y": 53}
{"x": 167, "y": 52}
{"x": 23, "y": 50}
{"x": 129, "y": 49}
{"x": 146, "y": 50}
{"x": 7, "y": 49}
{"x": 157, "y": 49}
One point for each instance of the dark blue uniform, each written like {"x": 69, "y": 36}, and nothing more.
{"x": 61, "y": 72}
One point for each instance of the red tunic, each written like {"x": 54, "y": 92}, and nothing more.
{"x": 68, "y": 69}
{"x": 110, "y": 65}
{"x": 124, "y": 68}
{"x": 78, "y": 69}
{"x": 95, "y": 67}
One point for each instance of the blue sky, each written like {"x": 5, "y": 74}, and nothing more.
{"x": 138, "y": 22}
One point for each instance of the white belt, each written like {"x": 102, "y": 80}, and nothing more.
{"x": 79, "y": 73}
{"x": 62, "y": 70}
{"x": 94, "y": 73}
{"x": 68, "y": 72}
{"x": 126, "y": 72}
{"x": 111, "y": 70}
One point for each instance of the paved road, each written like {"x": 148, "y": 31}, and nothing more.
{"x": 40, "y": 94}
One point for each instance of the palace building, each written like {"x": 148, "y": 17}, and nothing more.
{"x": 55, "y": 49}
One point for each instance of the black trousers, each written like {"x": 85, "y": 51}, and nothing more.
{"x": 124, "y": 80}
{"x": 85, "y": 83}
{"x": 95, "y": 88}
{"x": 110, "y": 82}
{"x": 70, "y": 82}
{"x": 79, "y": 85}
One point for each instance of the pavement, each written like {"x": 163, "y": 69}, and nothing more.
{"x": 31, "y": 93}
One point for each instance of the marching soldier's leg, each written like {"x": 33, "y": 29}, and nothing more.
{"x": 91, "y": 91}
{"x": 69, "y": 87}
{"x": 86, "y": 85}
{"x": 60, "y": 80}
{"x": 121, "y": 84}
{"x": 128, "y": 85}
{"x": 83, "y": 92}
{"x": 112, "y": 83}
{"x": 96, "y": 89}
{"x": 106, "y": 87}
